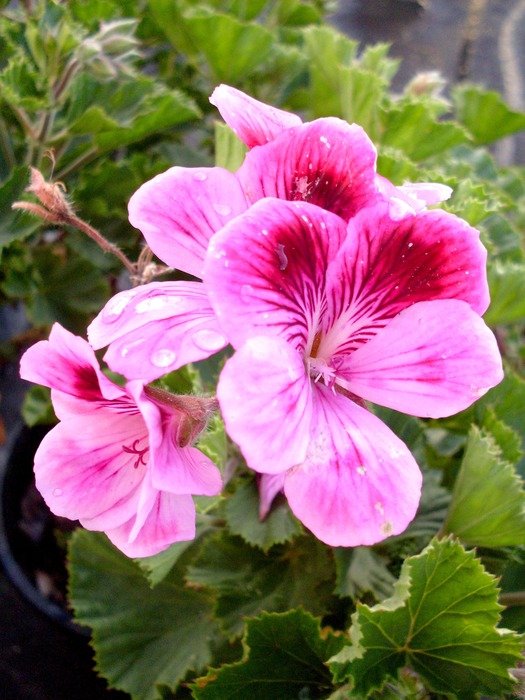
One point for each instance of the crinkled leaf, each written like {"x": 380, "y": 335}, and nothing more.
{"x": 248, "y": 581}
{"x": 507, "y": 292}
{"x": 142, "y": 636}
{"x": 69, "y": 290}
{"x": 485, "y": 114}
{"x": 242, "y": 510}
{"x": 361, "y": 570}
{"x": 37, "y": 408}
{"x": 506, "y": 438}
{"x": 15, "y": 225}
{"x": 413, "y": 128}
{"x": 488, "y": 501}
{"x": 441, "y": 621}
{"x": 236, "y": 49}
{"x": 229, "y": 149}
{"x": 284, "y": 657}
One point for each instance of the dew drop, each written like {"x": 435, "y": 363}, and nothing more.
{"x": 115, "y": 307}
{"x": 163, "y": 357}
{"x": 410, "y": 245}
{"x": 264, "y": 231}
{"x": 152, "y": 303}
{"x": 325, "y": 141}
{"x": 57, "y": 492}
{"x": 209, "y": 340}
{"x": 361, "y": 470}
{"x": 201, "y": 177}
{"x": 379, "y": 507}
{"x": 126, "y": 349}
{"x": 467, "y": 272}
{"x": 223, "y": 209}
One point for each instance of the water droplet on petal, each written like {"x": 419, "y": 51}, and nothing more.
{"x": 223, "y": 209}
{"x": 361, "y": 470}
{"x": 379, "y": 507}
{"x": 163, "y": 357}
{"x": 115, "y": 307}
{"x": 410, "y": 245}
{"x": 325, "y": 141}
{"x": 57, "y": 492}
{"x": 200, "y": 176}
{"x": 130, "y": 346}
{"x": 209, "y": 340}
{"x": 152, "y": 303}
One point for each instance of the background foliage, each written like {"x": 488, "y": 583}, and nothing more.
{"x": 102, "y": 96}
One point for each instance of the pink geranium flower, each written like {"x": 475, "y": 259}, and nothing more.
{"x": 162, "y": 326}
{"x": 324, "y": 315}
{"x": 121, "y": 458}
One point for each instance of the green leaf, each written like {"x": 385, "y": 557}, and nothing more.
{"x": 248, "y": 581}
{"x": 284, "y": 657}
{"x": 414, "y": 129}
{"x": 213, "y": 442}
{"x": 488, "y": 501}
{"x": 242, "y": 510}
{"x": 361, "y": 570}
{"x": 485, "y": 114}
{"x": 229, "y": 149}
{"x": 507, "y": 292}
{"x": 142, "y": 636}
{"x": 37, "y": 408}
{"x": 441, "y": 621}
{"x": 15, "y": 225}
{"x": 233, "y": 49}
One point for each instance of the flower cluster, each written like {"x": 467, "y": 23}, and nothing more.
{"x": 333, "y": 287}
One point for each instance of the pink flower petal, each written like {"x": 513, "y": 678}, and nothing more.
{"x": 359, "y": 483}
{"x": 66, "y": 364}
{"x": 157, "y": 328}
{"x": 269, "y": 486}
{"x": 326, "y": 162}
{"x": 415, "y": 195}
{"x": 265, "y": 270}
{"x": 170, "y": 519}
{"x": 86, "y": 469}
{"x": 386, "y": 265}
{"x": 180, "y": 209}
{"x": 433, "y": 359}
{"x": 175, "y": 469}
{"x": 254, "y": 122}
{"x": 265, "y": 397}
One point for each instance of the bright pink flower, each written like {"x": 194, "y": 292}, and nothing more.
{"x": 120, "y": 460}
{"x": 156, "y": 328}
{"x": 324, "y": 314}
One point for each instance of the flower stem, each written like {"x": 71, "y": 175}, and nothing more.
{"x": 512, "y": 598}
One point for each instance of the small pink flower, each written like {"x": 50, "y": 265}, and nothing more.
{"x": 324, "y": 315}
{"x": 120, "y": 460}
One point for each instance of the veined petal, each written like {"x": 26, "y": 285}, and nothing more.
{"x": 156, "y": 328}
{"x": 387, "y": 265}
{"x": 265, "y": 398}
{"x": 432, "y": 360}
{"x": 359, "y": 483}
{"x": 326, "y": 162}
{"x": 254, "y": 122}
{"x": 86, "y": 469}
{"x": 68, "y": 365}
{"x": 170, "y": 519}
{"x": 269, "y": 486}
{"x": 179, "y": 210}
{"x": 265, "y": 271}
{"x": 172, "y": 468}
{"x": 417, "y": 195}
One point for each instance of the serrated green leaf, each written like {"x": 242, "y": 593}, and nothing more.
{"x": 15, "y": 225}
{"x": 242, "y": 510}
{"x": 213, "y": 442}
{"x": 507, "y": 292}
{"x": 229, "y": 149}
{"x": 414, "y": 129}
{"x": 247, "y": 581}
{"x": 142, "y": 636}
{"x": 441, "y": 621}
{"x": 488, "y": 501}
{"x": 485, "y": 114}
{"x": 284, "y": 657}
{"x": 361, "y": 570}
{"x": 37, "y": 408}
{"x": 506, "y": 438}
{"x": 237, "y": 49}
